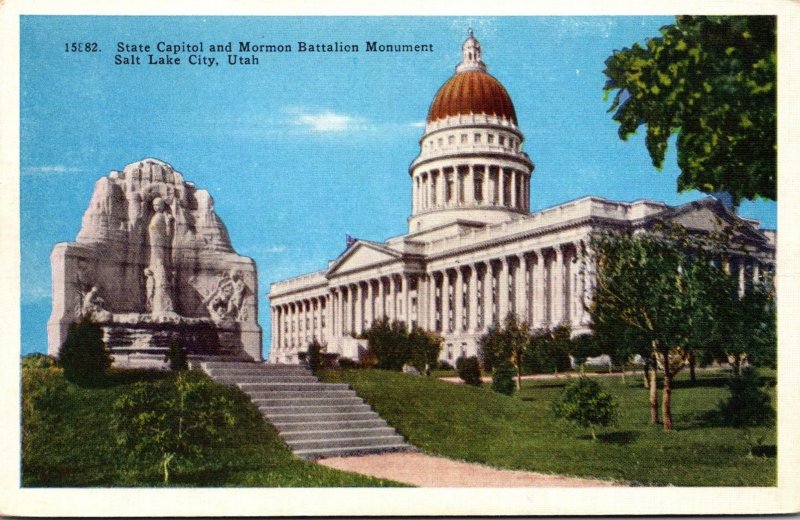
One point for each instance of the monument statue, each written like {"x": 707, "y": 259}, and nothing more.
{"x": 152, "y": 245}
{"x": 160, "y": 232}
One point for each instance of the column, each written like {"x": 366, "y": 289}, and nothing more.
{"x": 441, "y": 188}
{"x": 742, "y": 267}
{"x": 473, "y": 299}
{"x": 445, "y": 302}
{"x": 381, "y": 312}
{"x": 469, "y": 189}
{"x": 432, "y": 301}
{"x": 485, "y": 186}
{"x": 502, "y": 291}
{"x": 501, "y": 190}
{"x": 405, "y": 299}
{"x": 557, "y": 274}
{"x": 357, "y": 309}
{"x": 520, "y": 279}
{"x": 513, "y": 179}
{"x": 488, "y": 282}
{"x": 458, "y": 301}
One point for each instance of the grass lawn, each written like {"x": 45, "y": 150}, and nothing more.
{"x": 519, "y": 432}
{"x": 75, "y": 447}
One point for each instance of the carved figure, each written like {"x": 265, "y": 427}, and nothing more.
{"x": 149, "y": 288}
{"x": 225, "y": 301}
{"x": 160, "y": 232}
{"x": 92, "y": 306}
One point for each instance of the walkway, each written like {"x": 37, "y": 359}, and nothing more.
{"x": 427, "y": 471}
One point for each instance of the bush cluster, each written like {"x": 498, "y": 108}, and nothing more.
{"x": 586, "y": 404}
{"x": 503, "y": 378}
{"x": 469, "y": 370}
{"x": 393, "y": 346}
{"x": 84, "y": 355}
{"x": 748, "y": 405}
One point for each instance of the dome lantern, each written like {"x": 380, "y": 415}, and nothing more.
{"x": 471, "y": 55}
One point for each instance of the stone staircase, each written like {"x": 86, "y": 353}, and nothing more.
{"x": 315, "y": 419}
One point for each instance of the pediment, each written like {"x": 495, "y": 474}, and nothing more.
{"x": 710, "y": 215}
{"x": 363, "y": 255}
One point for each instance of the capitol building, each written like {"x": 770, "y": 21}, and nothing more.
{"x": 474, "y": 252}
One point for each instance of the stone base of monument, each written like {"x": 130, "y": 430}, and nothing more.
{"x": 143, "y": 341}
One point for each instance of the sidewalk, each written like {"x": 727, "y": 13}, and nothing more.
{"x": 427, "y": 471}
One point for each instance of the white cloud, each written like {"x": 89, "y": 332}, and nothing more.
{"x": 417, "y": 124}
{"x": 329, "y": 121}
{"x": 34, "y": 294}
{"x": 49, "y": 168}
{"x": 274, "y": 249}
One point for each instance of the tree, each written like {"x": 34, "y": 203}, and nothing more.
{"x": 469, "y": 370}
{"x": 425, "y": 349}
{"x": 548, "y": 350}
{"x": 177, "y": 356}
{"x": 586, "y": 404}
{"x": 506, "y": 344}
{"x": 389, "y": 343}
{"x": 712, "y": 81}
{"x": 314, "y": 355}
{"x": 503, "y": 378}
{"x": 174, "y": 419}
{"x": 662, "y": 288}
{"x": 84, "y": 355}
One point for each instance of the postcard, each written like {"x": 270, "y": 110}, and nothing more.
{"x": 398, "y": 260}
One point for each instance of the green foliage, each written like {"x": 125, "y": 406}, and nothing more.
{"x": 748, "y": 404}
{"x": 469, "y": 370}
{"x": 503, "y": 378}
{"x": 712, "y": 81}
{"x": 508, "y": 343}
{"x": 83, "y": 355}
{"x": 425, "y": 349}
{"x": 180, "y": 419}
{"x": 548, "y": 351}
{"x": 42, "y": 391}
{"x": 520, "y": 433}
{"x": 38, "y": 360}
{"x": 389, "y": 343}
{"x": 586, "y": 404}
{"x": 314, "y": 355}
{"x": 177, "y": 356}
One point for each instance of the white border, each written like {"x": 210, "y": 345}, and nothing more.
{"x": 382, "y": 502}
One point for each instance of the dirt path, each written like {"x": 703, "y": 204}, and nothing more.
{"x": 428, "y": 471}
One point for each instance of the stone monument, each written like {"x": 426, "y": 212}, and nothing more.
{"x": 153, "y": 264}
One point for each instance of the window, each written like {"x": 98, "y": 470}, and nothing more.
{"x": 502, "y": 140}
{"x": 490, "y": 138}
{"x": 451, "y": 139}
{"x": 463, "y": 138}
{"x": 477, "y": 138}
{"x": 441, "y": 142}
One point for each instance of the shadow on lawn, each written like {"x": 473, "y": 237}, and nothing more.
{"x": 617, "y": 437}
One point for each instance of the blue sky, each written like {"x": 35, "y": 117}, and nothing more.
{"x": 305, "y": 148}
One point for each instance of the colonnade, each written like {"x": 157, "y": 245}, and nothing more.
{"x": 471, "y": 185}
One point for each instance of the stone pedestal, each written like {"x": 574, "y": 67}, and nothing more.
{"x": 153, "y": 263}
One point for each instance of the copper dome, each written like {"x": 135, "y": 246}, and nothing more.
{"x": 472, "y": 92}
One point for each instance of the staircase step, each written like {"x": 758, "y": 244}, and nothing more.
{"x": 344, "y": 442}
{"x": 266, "y": 378}
{"x": 337, "y": 434}
{"x": 307, "y": 401}
{"x": 328, "y": 425}
{"x": 258, "y": 371}
{"x": 315, "y": 417}
{"x": 301, "y": 394}
{"x": 351, "y": 451}
{"x": 325, "y": 409}
{"x": 291, "y": 387}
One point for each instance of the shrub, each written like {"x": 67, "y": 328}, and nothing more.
{"x": 444, "y": 365}
{"x": 38, "y": 360}
{"x": 748, "y": 404}
{"x": 43, "y": 391}
{"x": 83, "y": 355}
{"x": 469, "y": 370}
{"x": 389, "y": 342}
{"x": 314, "y": 355}
{"x": 586, "y": 404}
{"x": 503, "y": 378}
{"x": 348, "y": 363}
{"x": 425, "y": 349}
{"x": 172, "y": 419}
{"x": 177, "y": 356}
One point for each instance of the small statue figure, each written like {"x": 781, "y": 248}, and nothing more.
{"x": 92, "y": 306}
{"x": 149, "y": 288}
{"x": 160, "y": 232}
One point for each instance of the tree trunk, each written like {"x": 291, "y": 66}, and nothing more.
{"x": 646, "y": 374}
{"x": 667, "y": 399}
{"x": 622, "y": 366}
{"x": 653, "y": 385}
{"x": 692, "y": 365}
{"x": 519, "y": 376}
